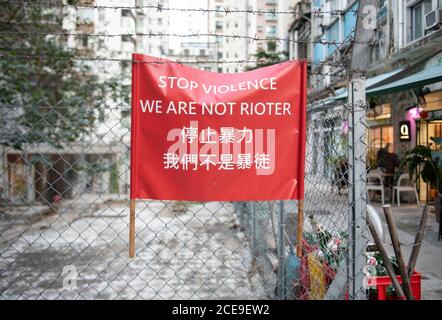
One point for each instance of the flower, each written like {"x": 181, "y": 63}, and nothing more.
{"x": 333, "y": 244}
{"x": 372, "y": 261}
{"x": 345, "y": 127}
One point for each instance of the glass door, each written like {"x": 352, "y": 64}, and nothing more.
{"x": 430, "y": 134}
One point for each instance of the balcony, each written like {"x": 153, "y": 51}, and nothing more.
{"x": 128, "y": 24}
{"x": 85, "y": 19}
{"x": 84, "y": 52}
{"x": 84, "y": 25}
{"x": 86, "y": 2}
{"x": 271, "y": 31}
{"x": 270, "y": 16}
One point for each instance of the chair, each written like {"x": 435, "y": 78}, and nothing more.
{"x": 404, "y": 185}
{"x": 375, "y": 183}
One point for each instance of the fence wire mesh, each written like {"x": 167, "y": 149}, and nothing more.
{"x": 65, "y": 214}
{"x": 64, "y": 185}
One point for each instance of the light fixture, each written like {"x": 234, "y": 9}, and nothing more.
{"x": 414, "y": 113}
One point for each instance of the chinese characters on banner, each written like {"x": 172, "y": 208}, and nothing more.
{"x": 203, "y": 136}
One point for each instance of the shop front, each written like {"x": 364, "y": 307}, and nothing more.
{"x": 380, "y": 133}
{"x": 415, "y": 97}
{"x": 429, "y": 133}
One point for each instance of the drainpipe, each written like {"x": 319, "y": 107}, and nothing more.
{"x": 401, "y": 23}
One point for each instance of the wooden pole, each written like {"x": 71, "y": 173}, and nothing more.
{"x": 132, "y": 229}
{"x": 300, "y": 228}
{"x": 418, "y": 240}
{"x": 385, "y": 258}
{"x": 397, "y": 251}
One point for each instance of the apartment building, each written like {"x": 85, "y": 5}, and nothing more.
{"x": 196, "y": 46}
{"x": 404, "y": 84}
{"x": 227, "y": 48}
{"x": 216, "y": 49}
{"x": 264, "y": 24}
{"x": 96, "y": 35}
{"x": 269, "y": 25}
{"x": 124, "y": 22}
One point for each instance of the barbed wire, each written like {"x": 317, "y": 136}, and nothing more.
{"x": 177, "y": 35}
{"x": 153, "y": 61}
{"x": 335, "y": 75}
{"x": 159, "y": 8}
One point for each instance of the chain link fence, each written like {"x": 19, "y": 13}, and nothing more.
{"x": 65, "y": 214}
{"x": 64, "y": 182}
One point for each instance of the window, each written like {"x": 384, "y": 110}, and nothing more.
{"x": 426, "y": 130}
{"x": 350, "y": 20}
{"x": 270, "y": 15}
{"x": 379, "y": 112}
{"x": 271, "y": 46}
{"x": 101, "y": 17}
{"x": 332, "y": 35}
{"x": 271, "y": 30}
{"x": 318, "y": 51}
{"x": 418, "y": 13}
{"x": 428, "y": 6}
{"x": 219, "y": 10}
{"x": 382, "y": 9}
{"x": 379, "y": 49}
{"x": 126, "y": 13}
{"x": 379, "y": 137}
{"x": 160, "y": 21}
{"x": 83, "y": 41}
{"x": 125, "y": 66}
{"x": 417, "y": 29}
{"x": 219, "y": 25}
{"x": 202, "y": 52}
{"x": 318, "y": 3}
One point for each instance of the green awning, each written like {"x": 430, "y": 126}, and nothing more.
{"x": 429, "y": 75}
{"x": 342, "y": 93}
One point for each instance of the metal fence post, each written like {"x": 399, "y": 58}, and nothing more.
{"x": 281, "y": 286}
{"x": 366, "y": 23}
{"x": 358, "y": 186}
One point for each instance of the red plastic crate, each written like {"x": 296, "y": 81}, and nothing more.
{"x": 383, "y": 282}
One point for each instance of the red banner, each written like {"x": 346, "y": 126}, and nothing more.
{"x": 203, "y": 136}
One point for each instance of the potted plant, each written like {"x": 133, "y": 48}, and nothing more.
{"x": 421, "y": 160}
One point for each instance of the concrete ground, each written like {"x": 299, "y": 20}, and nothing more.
{"x": 194, "y": 253}
{"x": 429, "y": 263}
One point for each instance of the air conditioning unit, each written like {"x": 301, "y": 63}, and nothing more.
{"x": 433, "y": 18}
